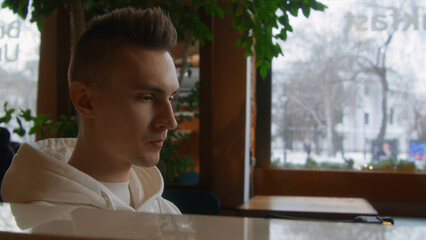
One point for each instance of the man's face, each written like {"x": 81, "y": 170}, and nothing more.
{"x": 133, "y": 109}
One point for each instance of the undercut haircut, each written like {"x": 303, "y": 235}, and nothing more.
{"x": 94, "y": 52}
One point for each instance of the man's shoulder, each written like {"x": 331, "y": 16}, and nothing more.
{"x": 54, "y": 143}
{"x": 58, "y": 148}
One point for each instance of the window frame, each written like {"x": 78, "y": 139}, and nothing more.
{"x": 390, "y": 193}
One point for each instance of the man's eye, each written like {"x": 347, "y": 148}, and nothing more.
{"x": 145, "y": 98}
{"x": 171, "y": 99}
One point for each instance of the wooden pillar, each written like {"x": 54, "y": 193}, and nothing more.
{"x": 53, "y": 97}
{"x": 263, "y": 120}
{"x": 223, "y": 105}
{"x": 206, "y": 76}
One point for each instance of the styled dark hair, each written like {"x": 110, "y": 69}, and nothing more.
{"x": 149, "y": 28}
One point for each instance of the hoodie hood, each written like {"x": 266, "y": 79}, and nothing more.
{"x": 39, "y": 173}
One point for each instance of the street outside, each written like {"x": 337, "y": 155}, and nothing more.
{"x": 299, "y": 157}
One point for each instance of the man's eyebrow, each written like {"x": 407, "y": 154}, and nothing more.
{"x": 154, "y": 89}
{"x": 175, "y": 92}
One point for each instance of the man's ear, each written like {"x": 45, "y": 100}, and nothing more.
{"x": 81, "y": 97}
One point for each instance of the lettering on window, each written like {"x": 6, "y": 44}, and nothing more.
{"x": 385, "y": 19}
{"x": 9, "y": 50}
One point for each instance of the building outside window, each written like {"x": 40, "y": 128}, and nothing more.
{"x": 366, "y": 118}
{"x": 351, "y": 84}
{"x": 391, "y": 116}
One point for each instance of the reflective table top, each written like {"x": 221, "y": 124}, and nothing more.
{"x": 30, "y": 220}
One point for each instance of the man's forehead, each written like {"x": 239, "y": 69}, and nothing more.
{"x": 156, "y": 88}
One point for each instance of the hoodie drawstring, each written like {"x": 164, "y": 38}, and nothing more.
{"x": 108, "y": 200}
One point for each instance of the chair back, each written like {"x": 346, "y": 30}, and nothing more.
{"x": 194, "y": 201}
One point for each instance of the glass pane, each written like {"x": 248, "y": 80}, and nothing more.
{"x": 350, "y": 92}
{"x": 19, "y": 56}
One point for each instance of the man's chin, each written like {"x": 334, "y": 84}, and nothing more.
{"x": 146, "y": 162}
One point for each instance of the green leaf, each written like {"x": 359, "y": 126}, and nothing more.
{"x": 306, "y": 11}
{"x": 63, "y": 118}
{"x": 239, "y": 43}
{"x": 19, "y": 131}
{"x": 220, "y": 12}
{"x": 7, "y": 117}
{"x": 17, "y": 6}
{"x": 33, "y": 130}
{"x": 283, "y": 34}
{"x": 294, "y": 11}
{"x": 18, "y": 120}
{"x": 40, "y": 25}
{"x": 263, "y": 71}
{"x": 26, "y": 115}
{"x": 55, "y": 128}
{"x": 319, "y": 6}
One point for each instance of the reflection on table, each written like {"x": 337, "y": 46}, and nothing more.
{"x": 40, "y": 222}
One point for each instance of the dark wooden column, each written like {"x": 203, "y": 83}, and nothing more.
{"x": 223, "y": 85}
{"x": 206, "y": 76}
{"x": 53, "y": 97}
{"x": 263, "y": 120}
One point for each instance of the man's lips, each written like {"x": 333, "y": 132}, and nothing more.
{"x": 157, "y": 143}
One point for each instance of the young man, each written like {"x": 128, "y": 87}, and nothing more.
{"x": 122, "y": 81}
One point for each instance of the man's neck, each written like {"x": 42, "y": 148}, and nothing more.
{"x": 92, "y": 160}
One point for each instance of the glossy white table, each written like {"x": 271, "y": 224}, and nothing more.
{"x": 35, "y": 222}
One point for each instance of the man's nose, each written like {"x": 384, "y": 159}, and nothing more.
{"x": 166, "y": 117}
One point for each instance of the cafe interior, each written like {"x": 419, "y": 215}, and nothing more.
{"x": 231, "y": 190}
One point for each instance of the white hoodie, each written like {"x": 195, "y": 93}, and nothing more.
{"x": 39, "y": 174}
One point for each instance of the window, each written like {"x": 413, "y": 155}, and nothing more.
{"x": 352, "y": 82}
{"x": 19, "y": 56}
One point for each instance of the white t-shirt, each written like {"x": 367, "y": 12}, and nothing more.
{"x": 121, "y": 190}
